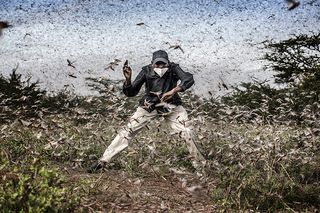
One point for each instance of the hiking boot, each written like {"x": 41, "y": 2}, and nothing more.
{"x": 293, "y": 4}
{"x": 96, "y": 166}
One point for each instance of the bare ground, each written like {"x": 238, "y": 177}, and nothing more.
{"x": 119, "y": 191}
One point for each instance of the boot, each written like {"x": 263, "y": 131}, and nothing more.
{"x": 96, "y": 166}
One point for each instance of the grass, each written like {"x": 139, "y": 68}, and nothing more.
{"x": 251, "y": 164}
{"x": 264, "y": 167}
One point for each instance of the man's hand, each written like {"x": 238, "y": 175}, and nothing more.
{"x": 127, "y": 72}
{"x": 168, "y": 95}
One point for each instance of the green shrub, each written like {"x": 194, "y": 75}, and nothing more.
{"x": 296, "y": 64}
{"x": 34, "y": 188}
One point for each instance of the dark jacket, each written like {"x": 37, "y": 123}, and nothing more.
{"x": 153, "y": 83}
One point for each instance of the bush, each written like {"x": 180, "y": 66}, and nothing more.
{"x": 34, "y": 188}
{"x": 24, "y": 99}
{"x": 296, "y": 62}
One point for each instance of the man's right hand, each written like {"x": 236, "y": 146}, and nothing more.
{"x": 127, "y": 72}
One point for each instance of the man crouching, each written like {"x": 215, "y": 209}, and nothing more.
{"x": 161, "y": 98}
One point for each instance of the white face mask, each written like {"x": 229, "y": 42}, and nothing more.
{"x": 160, "y": 71}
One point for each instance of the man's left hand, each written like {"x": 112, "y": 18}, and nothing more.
{"x": 166, "y": 97}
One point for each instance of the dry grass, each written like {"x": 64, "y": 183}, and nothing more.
{"x": 253, "y": 163}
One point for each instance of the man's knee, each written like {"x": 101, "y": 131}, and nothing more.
{"x": 125, "y": 133}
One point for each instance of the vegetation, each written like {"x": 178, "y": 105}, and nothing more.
{"x": 21, "y": 98}
{"x": 261, "y": 145}
{"x": 34, "y": 188}
{"x": 296, "y": 62}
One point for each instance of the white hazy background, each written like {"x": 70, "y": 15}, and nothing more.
{"x": 219, "y": 38}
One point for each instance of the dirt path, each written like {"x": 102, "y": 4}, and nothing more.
{"x": 118, "y": 191}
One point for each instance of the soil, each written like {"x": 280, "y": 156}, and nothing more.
{"x": 119, "y": 191}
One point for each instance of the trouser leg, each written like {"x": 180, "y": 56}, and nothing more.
{"x": 138, "y": 120}
{"x": 180, "y": 123}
